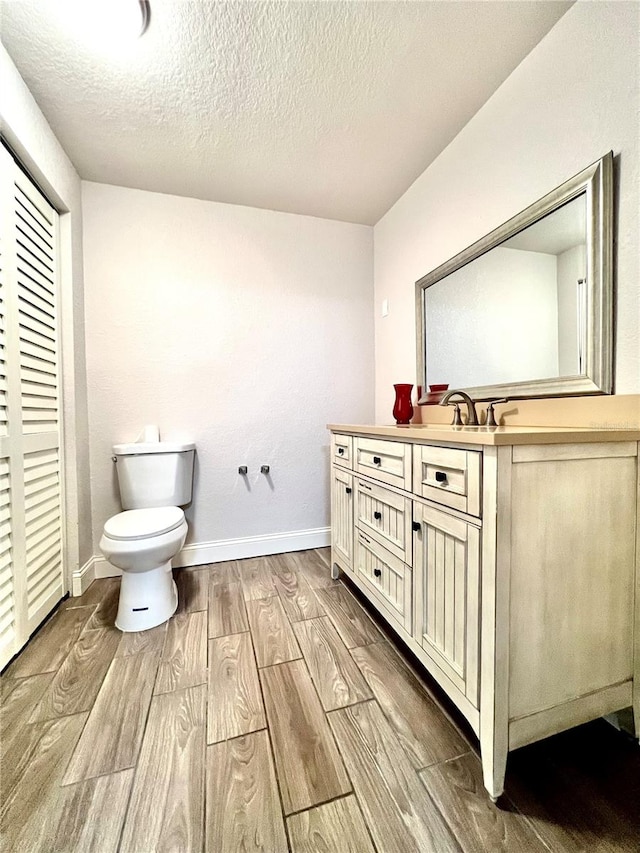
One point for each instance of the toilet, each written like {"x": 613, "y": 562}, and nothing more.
{"x": 155, "y": 479}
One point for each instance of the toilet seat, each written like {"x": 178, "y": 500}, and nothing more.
{"x": 143, "y": 523}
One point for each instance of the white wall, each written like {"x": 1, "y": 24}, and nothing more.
{"x": 245, "y": 329}
{"x": 494, "y": 321}
{"x": 33, "y": 141}
{"x": 576, "y": 96}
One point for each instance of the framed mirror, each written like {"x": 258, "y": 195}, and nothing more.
{"x": 527, "y": 311}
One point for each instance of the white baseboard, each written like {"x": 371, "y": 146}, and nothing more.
{"x": 199, "y": 553}
{"x": 82, "y": 579}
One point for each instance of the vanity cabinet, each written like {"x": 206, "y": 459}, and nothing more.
{"x": 506, "y": 561}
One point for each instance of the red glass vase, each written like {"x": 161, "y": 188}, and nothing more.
{"x": 402, "y": 408}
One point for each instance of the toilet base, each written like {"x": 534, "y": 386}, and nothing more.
{"x": 147, "y": 599}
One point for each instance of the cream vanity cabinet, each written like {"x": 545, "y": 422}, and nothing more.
{"x": 506, "y": 561}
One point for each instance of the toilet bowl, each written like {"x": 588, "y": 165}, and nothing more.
{"x": 142, "y": 542}
{"x": 155, "y": 480}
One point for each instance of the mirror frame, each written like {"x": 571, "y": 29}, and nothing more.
{"x": 597, "y": 182}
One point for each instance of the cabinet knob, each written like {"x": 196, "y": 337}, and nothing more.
{"x": 341, "y": 451}
{"x": 348, "y": 490}
{"x": 416, "y": 526}
{"x": 377, "y": 460}
{"x": 377, "y": 572}
{"x": 377, "y": 515}
{"x": 441, "y": 477}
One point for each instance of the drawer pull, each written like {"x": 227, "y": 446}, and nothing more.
{"x": 341, "y": 451}
{"x": 441, "y": 477}
{"x": 377, "y": 460}
{"x": 416, "y": 526}
{"x": 364, "y": 486}
{"x": 348, "y": 490}
{"x": 377, "y": 515}
{"x": 364, "y": 539}
{"x": 377, "y": 572}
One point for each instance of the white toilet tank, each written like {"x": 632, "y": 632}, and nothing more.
{"x": 153, "y": 474}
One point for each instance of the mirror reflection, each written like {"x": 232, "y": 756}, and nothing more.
{"x": 518, "y": 312}
{"x": 527, "y": 310}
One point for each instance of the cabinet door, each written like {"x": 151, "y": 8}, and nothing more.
{"x": 446, "y": 573}
{"x": 342, "y": 517}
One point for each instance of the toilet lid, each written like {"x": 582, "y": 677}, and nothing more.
{"x": 140, "y": 523}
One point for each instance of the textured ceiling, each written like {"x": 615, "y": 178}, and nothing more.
{"x": 329, "y": 109}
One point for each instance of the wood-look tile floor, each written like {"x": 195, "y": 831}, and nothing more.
{"x": 272, "y": 714}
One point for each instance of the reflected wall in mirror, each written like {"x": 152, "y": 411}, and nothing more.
{"x": 527, "y": 311}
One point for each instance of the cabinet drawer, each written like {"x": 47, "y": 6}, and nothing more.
{"x": 386, "y": 461}
{"x": 384, "y": 516}
{"x": 448, "y": 476}
{"x": 342, "y": 450}
{"x": 385, "y": 577}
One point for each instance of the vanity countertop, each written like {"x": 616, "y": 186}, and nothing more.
{"x": 502, "y": 435}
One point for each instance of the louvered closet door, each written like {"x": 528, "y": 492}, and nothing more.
{"x": 31, "y": 575}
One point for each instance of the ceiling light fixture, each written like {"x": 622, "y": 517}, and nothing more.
{"x": 145, "y": 12}
{"x": 107, "y": 21}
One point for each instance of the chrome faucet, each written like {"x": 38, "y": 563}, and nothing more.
{"x": 472, "y": 415}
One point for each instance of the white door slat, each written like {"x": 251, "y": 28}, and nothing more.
{"x": 28, "y": 322}
{"x": 32, "y": 200}
{"x": 37, "y": 389}
{"x": 28, "y": 238}
{"x": 40, "y": 468}
{"x": 33, "y": 426}
{"x": 30, "y": 403}
{"x": 31, "y": 490}
{"x": 7, "y": 629}
{"x": 40, "y": 599}
{"x": 33, "y": 458}
{"x": 36, "y": 526}
{"x": 28, "y": 262}
{"x": 40, "y": 587}
{"x": 38, "y": 285}
{"x": 45, "y": 356}
{"x": 29, "y": 221}
{"x": 6, "y": 608}
{"x": 43, "y": 537}
{"x": 47, "y": 503}
{"x": 32, "y": 380}
{"x": 41, "y": 554}
{"x": 5, "y": 544}
{"x": 29, "y": 294}
{"x": 31, "y": 257}
{"x": 5, "y": 559}
{"x": 45, "y": 345}
{"x": 40, "y": 365}
{"x": 6, "y": 587}
{"x": 27, "y": 307}
{"x": 38, "y": 443}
